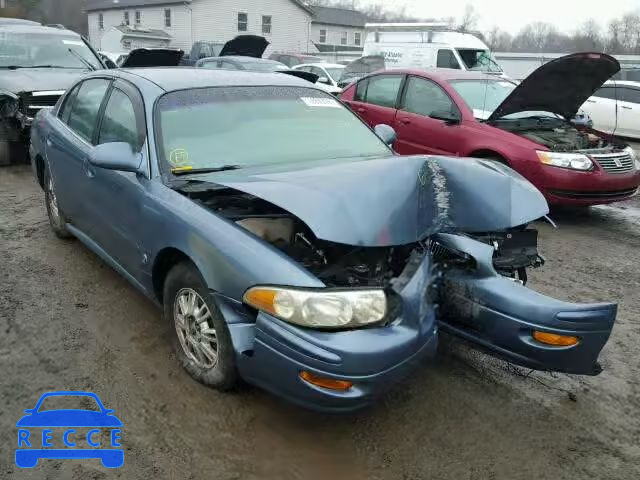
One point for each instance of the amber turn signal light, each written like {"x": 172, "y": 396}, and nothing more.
{"x": 554, "y": 339}
{"x": 329, "y": 383}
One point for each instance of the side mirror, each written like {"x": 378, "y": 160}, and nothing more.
{"x": 448, "y": 117}
{"x": 324, "y": 80}
{"x": 386, "y": 133}
{"x": 116, "y": 156}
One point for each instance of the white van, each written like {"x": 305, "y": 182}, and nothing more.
{"x": 428, "y": 45}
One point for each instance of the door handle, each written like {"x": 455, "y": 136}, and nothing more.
{"x": 48, "y": 142}
{"x": 626, "y": 108}
{"x": 591, "y": 101}
{"x": 404, "y": 121}
{"x": 361, "y": 110}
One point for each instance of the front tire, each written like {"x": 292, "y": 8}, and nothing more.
{"x": 57, "y": 220}
{"x": 200, "y": 334}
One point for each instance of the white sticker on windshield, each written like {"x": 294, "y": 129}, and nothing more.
{"x": 320, "y": 102}
{"x": 72, "y": 42}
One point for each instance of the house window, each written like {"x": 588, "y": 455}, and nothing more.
{"x": 167, "y": 17}
{"x": 243, "y": 21}
{"x": 323, "y": 36}
{"x": 138, "y": 17}
{"x": 101, "y": 21}
{"x": 343, "y": 38}
{"x": 126, "y": 18}
{"x": 357, "y": 38}
{"x": 266, "y": 24}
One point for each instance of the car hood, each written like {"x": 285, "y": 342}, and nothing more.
{"x": 560, "y": 86}
{"x": 34, "y": 79}
{"x": 392, "y": 200}
{"x": 246, "y": 46}
{"x": 308, "y": 76}
{"x": 363, "y": 66}
{"x": 69, "y": 418}
{"x": 153, "y": 57}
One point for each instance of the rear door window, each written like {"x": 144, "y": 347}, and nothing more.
{"x": 446, "y": 59}
{"x": 83, "y": 116}
{"x": 424, "y": 97}
{"x": 383, "y": 90}
{"x": 631, "y": 95}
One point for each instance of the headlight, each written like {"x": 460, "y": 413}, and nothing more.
{"x": 573, "y": 161}
{"x": 634, "y": 156}
{"x": 320, "y": 308}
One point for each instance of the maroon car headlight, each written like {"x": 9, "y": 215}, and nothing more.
{"x": 320, "y": 308}
{"x": 572, "y": 161}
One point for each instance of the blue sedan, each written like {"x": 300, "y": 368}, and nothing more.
{"x": 288, "y": 245}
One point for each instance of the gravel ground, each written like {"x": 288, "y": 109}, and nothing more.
{"x": 67, "y": 321}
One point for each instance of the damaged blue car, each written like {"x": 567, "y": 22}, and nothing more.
{"x": 286, "y": 243}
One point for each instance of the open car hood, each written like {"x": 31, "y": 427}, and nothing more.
{"x": 560, "y": 86}
{"x": 392, "y": 200}
{"x": 153, "y": 57}
{"x": 245, "y": 46}
{"x": 363, "y": 66}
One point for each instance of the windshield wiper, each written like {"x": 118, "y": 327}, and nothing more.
{"x": 195, "y": 171}
{"x": 82, "y": 59}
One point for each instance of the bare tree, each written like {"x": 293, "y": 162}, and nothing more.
{"x": 469, "y": 19}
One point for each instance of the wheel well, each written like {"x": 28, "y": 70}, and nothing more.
{"x": 489, "y": 154}
{"x": 40, "y": 170}
{"x": 164, "y": 262}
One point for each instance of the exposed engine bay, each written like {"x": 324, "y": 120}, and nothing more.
{"x": 559, "y": 135}
{"x": 340, "y": 265}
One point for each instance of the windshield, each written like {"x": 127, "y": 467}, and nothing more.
{"x": 479, "y": 60}
{"x": 483, "y": 95}
{"x": 28, "y": 50}
{"x": 252, "y": 126}
{"x": 335, "y": 72}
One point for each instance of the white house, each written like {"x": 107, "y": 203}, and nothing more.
{"x": 338, "y": 29}
{"x": 285, "y": 23}
{"x": 123, "y": 38}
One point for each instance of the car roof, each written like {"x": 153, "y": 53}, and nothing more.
{"x": 443, "y": 74}
{"x": 181, "y": 78}
{"x": 321, "y": 65}
{"x": 36, "y": 29}
{"x": 628, "y": 83}
{"x": 243, "y": 59}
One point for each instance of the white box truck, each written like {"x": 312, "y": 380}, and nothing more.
{"x": 428, "y": 45}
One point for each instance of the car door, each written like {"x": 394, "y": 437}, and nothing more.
{"x": 116, "y": 197}
{"x": 376, "y": 98}
{"x": 629, "y": 112}
{"x": 69, "y": 144}
{"x": 601, "y": 107}
{"x": 418, "y": 130}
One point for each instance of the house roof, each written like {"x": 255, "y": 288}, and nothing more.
{"x": 339, "y": 16}
{"x": 110, "y": 4}
{"x": 143, "y": 32}
{"x": 113, "y": 4}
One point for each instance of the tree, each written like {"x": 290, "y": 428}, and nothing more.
{"x": 469, "y": 19}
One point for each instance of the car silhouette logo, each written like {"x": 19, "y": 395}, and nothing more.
{"x": 32, "y": 446}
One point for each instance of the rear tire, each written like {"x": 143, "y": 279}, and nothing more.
{"x": 57, "y": 220}
{"x": 201, "y": 337}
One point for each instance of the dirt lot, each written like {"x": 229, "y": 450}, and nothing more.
{"x": 67, "y": 321}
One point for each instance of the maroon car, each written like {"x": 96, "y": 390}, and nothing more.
{"x": 526, "y": 126}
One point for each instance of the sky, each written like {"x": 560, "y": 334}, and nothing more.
{"x": 512, "y": 15}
